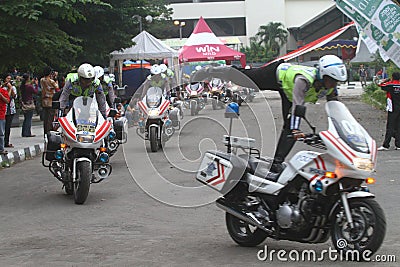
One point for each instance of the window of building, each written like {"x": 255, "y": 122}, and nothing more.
{"x": 220, "y": 27}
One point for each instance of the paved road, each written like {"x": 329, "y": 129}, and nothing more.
{"x": 121, "y": 225}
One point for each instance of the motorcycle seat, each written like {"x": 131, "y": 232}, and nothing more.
{"x": 260, "y": 167}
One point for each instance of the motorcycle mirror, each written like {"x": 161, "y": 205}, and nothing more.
{"x": 300, "y": 111}
{"x": 112, "y": 113}
{"x": 121, "y": 90}
{"x": 232, "y": 110}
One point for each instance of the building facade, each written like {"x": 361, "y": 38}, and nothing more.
{"x": 305, "y": 20}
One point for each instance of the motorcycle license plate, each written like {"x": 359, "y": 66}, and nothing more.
{"x": 85, "y": 128}
{"x": 153, "y": 112}
{"x": 193, "y": 93}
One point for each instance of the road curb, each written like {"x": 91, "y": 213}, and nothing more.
{"x": 20, "y": 155}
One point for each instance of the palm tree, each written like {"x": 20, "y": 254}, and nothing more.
{"x": 272, "y": 36}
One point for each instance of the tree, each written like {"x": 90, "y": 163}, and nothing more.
{"x": 62, "y": 33}
{"x": 265, "y": 45}
{"x": 35, "y": 39}
{"x": 272, "y": 36}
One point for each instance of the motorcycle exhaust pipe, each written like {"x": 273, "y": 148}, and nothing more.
{"x": 242, "y": 216}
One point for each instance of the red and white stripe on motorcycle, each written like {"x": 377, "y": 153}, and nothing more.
{"x": 219, "y": 178}
{"x": 164, "y": 106}
{"x": 319, "y": 164}
{"x": 142, "y": 106}
{"x": 69, "y": 129}
{"x": 339, "y": 144}
{"x": 102, "y": 131}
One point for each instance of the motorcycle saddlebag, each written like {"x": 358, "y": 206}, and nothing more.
{"x": 173, "y": 116}
{"x": 221, "y": 171}
{"x": 120, "y": 126}
{"x": 53, "y": 144}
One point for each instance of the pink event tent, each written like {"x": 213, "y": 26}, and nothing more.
{"x": 203, "y": 45}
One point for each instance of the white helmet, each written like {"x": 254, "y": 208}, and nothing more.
{"x": 155, "y": 69}
{"x": 333, "y": 67}
{"x": 163, "y": 67}
{"x": 198, "y": 67}
{"x": 99, "y": 71}
{"x": 86, "y": 71}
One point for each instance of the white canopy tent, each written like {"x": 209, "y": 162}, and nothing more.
{"x": 146, "y": 47}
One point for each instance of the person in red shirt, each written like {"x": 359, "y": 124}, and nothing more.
{"x": 392, "y": 89}
{"x": 4, "y": 100}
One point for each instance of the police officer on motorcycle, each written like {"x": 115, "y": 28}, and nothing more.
{"x": 83, "y": 84}
{"x": 106, "y": 84}
{"x": 296, "y": 85}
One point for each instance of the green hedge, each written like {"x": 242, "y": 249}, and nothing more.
{"x": 374, "y": 96}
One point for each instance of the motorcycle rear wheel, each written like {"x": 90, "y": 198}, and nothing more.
{"x": 244, "y": 234}
{"x": 369, "y": 231}
{"x": 81, "y": 187}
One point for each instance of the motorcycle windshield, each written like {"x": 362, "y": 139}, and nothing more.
{"x": 85, "y": 113}
{"x": 153, "y": 97}
{"x": 349, "y": 130}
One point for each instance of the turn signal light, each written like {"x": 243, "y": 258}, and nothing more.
{"x": 103, "y": 149}
{"x": 330, "y": 175}
{"x": 64, "y": 146}
{"x": 370, "y": 180}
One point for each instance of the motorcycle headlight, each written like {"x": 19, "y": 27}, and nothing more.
{"x": 83, "y": 138}
{"x": 363, "y": 164}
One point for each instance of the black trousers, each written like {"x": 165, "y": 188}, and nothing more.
{"x": 285, "y": 143}
{"x": 48, "y": 117}
{"x": 392, "y": 128}
{"x": 7, "y": 130}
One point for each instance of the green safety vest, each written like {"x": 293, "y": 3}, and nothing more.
{"x": 287, "y": 73}
{"x": 77, "y": 90}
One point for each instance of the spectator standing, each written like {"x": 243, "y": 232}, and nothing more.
{"x": 362, "y": 72}
{"x": 11, "y": 110}
{"x": 392, "y": 89}
{"x": 348, "y": 69}
{"x": 4, "y": 100}
{"x": 49, "y": 88}
{"x": 27, "y": 91}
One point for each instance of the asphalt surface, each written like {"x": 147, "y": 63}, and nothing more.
{"x": 148, "y": 214}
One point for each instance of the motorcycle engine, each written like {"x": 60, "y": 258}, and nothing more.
{"x": 289, "y": 216}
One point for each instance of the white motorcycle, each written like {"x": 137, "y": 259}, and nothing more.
{"x": 77, "y": 150}
{"x": 317, "y": 195}
{"x": 154, "y": 123}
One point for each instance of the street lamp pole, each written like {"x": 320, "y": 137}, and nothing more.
{"x": 139, "y": 18}
{"x": 180, "y": 24}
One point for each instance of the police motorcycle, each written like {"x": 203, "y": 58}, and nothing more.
{"x": 155, "y": 124}
{"x": 233, "y": 93}
{"x": 76, "y": 152}
{"x": 317, "y": 195}
{"x": 216, "y": 92}
{"x": 247, "y": 94}
{"x": 194, "y": 99}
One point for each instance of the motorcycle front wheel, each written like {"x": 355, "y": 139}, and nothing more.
{"x": 214, "y": 104}
{"x": 193, "y": 108}
{"x": 369, "y": 227}
{"x": 82, "y": 185}
{"x": 246, "y": 235}
{"x": 153, "y": 137}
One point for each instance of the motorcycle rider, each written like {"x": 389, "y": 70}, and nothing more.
{"x": 296, "y": 85}
{"x": 84, "y": 84}
{"x": 106, "y": 83}
{"x": 156, "y": 79}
